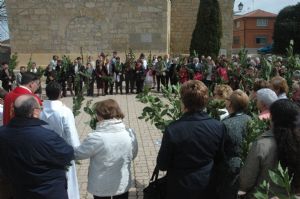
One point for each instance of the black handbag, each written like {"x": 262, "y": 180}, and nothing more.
{"x": 157, "y": 188}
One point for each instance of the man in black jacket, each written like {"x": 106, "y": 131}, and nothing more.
{"x": 33, "y": 158}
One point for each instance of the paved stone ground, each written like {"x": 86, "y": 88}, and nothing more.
{"x": 148, "y": 140}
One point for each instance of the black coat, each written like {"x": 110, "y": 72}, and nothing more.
{"x": 34, "y": 159}
{"x": 190, "y": 148}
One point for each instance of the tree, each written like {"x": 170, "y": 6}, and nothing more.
{"x": 286, "y": 28}
{"x": 206, "y": 38}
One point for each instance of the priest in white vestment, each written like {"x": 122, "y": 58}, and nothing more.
{"x": 61, "y": 120}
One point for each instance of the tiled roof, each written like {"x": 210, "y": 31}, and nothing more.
{"x": 255, "y": 14}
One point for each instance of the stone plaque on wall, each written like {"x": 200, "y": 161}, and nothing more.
{"x": 146, "y": 38}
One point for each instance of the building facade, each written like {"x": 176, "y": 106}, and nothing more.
{"x": 253, "y": 30}
{"x": 41, "y": 28}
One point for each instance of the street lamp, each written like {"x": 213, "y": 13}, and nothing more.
{"x": 240, "y": 6}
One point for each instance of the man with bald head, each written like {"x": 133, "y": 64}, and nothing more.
{"x": 33, "y": 158}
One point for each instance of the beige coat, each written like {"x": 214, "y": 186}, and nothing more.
{"x": 261, "y": 157}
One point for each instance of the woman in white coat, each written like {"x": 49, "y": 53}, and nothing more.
{"x": 111, "y": 148}
{"x": 61, "y": 120}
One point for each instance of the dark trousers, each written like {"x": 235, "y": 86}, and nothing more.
{"x": 90, "y": 91}
{"x": 119, "y": 86}
{"x": 6, "y": 86}
{"x": 168, "y": 78}
{"x": 129, "y": 83}
{"x": 5, "y": 188}
{"x": 63, "y": 88}
{"x": 160, "y": 79}
{"x": 104, "y": 87}
{"x": 70, "y": 83}
{"x": 78, "y": 87}
{"x": 122, "y": 196}
{"x": 228, "y": 185}
{"x": 110, "y": 86}
{"x": 139, "y": 85}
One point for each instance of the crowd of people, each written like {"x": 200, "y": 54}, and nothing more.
{"x": 39, "y": 142}
{"x": 202, "y": 156}
{"x": 110, "y": 74}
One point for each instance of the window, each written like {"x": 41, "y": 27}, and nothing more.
{"x": 237, "y": 24}
{"x": 262, "y": 22}
{"x": 261, "y": 40}
{"x": 236, "y": 40}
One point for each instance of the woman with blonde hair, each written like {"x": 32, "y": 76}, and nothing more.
{"x": 280, "y": 87}
{"x": 222, "y": 92}
{"x": 236, "y": 126}
{"x": 111, "y": 149}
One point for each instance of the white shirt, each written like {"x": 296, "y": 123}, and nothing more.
{"x": 61, "y": 120}
{"x": 225, "y": 114}
{"x": 1, "y": 114}
{"x": 111, "y": 148}
{"x": 76, "y": 68}
{"x": 33, "y": 70}
{"x": 53, "y": 64}
{"x": 145, "y": 63}
{"x": 209, "y": 75}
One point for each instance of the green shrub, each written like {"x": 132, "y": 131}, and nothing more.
{"x": 206, "y": 38}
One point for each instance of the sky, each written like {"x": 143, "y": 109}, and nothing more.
{"x": 273, "y": 6}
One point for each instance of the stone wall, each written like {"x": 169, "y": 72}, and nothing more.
{"x": 42, "y": 28}
{"x": 183, "y": 21}
{"x": 63, "y": 26}
{"x": 227, "y": 25}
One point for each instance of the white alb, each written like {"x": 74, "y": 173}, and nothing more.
{"x": 61, "y": 120}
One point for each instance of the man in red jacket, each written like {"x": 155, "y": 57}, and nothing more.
{"x": 29, "y": 84}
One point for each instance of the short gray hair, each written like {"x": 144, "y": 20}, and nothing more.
{"x": 296, "y": 74}
{"x": 24, "y": 106}
{"x": 266, "y": 96}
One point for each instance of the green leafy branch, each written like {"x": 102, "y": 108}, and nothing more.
{"x": 79, "y": 98}
{"x": 90, "y": 110}
{"x": 255, "y": 128}
{"x": 161, "y": 111}
{"x": 243, "y": 57}
{"x": 279, "y": 177}
{"x": 266, "y": 71}
{"x": 293, "y": 61}
{"x": 77, "y": 103}
{"x": 13, "y": 62}
{"x": 213, "y": 108}
{"x": 130, "y": 58}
